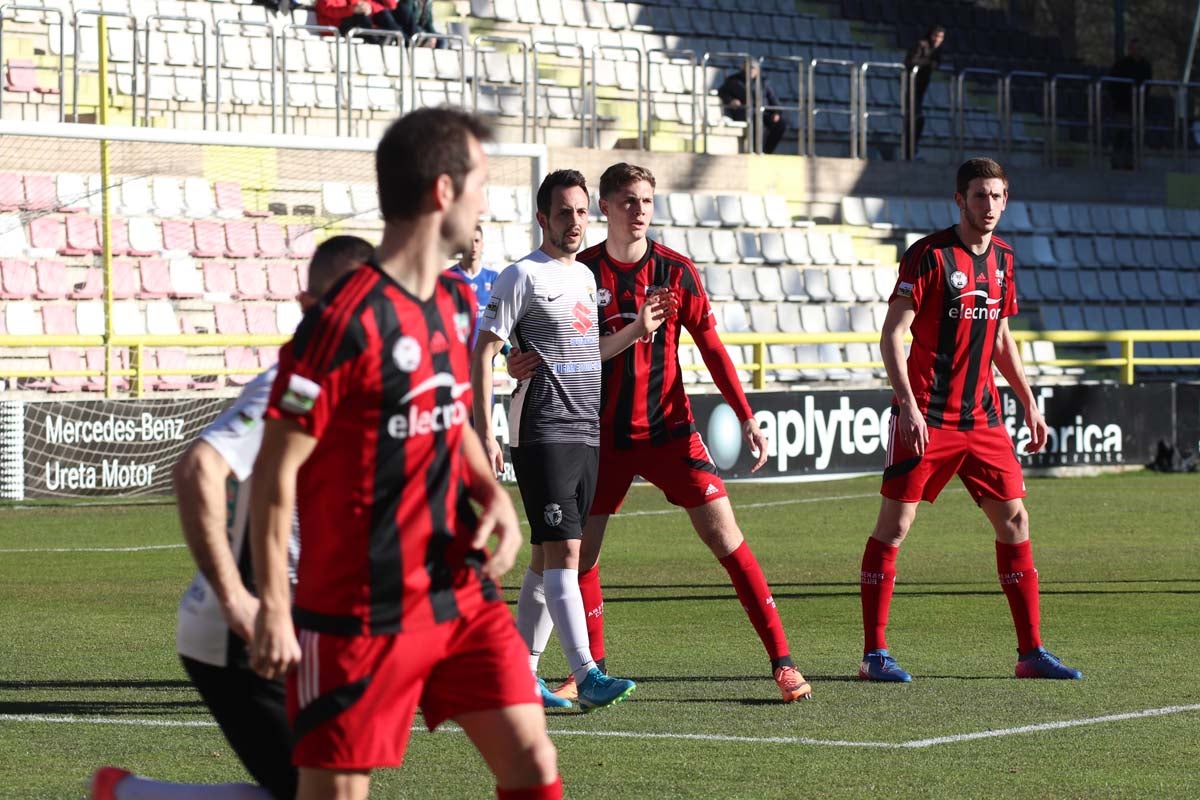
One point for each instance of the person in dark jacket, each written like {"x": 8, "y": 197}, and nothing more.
{"x": 733, "y": 103}
{"x": 1132, "y": 66}
{"x": 925, "y": 58}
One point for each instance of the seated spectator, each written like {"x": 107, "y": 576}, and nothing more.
{"x": 733, "y": 99}
{"x": 346, "y": 15}
{"x": 418, "y": 18}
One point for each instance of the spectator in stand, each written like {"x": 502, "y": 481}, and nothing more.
{"x": 925, "y": 58}
{"x": 1132, "y": 66}
{"x": 733, "y": 102}
{"x": 417, "y": 17}
{"x": 346, "y": 15}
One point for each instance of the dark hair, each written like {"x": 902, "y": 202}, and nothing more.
{"x": 560, "y": 178}
{"x": 978, "y": 168}
{"x": 333, "y": 258}
{"x": 623, "y": 174}
{"x": 934, "y": 29}
{"x": 417, "y": 149}
{"x": 479, "y": 228}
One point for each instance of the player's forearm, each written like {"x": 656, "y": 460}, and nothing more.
{"x": 481, "y": 389}
{"x": 617, "y": 343}
{"x": 891, "y": 349}
{"x": 720, "y": 366}
{"x": 1007, "y": 358}
{"x": 273, "y": 500}
{"x": 482, "y": 479}
{"x": 199, "y": 479}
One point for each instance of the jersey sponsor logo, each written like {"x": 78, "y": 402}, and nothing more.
{"x": 300, "y": 396}
{"x": 904, "y": 289}
{"x": 462, "y": 325}
{"x": 583, "y": 318}
{"x": 553, "y": 514}
{"x": 421, "y": 422}
{"x": 406, "y": 353}
{"x": 603, "y": 297}
{"x": 493, "y": 307}
{"x": 958, "y": 279}
{"x": 971, "y": 312}
{"x": 576, "y": 367}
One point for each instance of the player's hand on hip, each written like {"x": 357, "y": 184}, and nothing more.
{"x": 495, "y": 455}
{"x": 499, "y": 519}
{"x": 1037, "y": 430}
{"x": 274, "y": 649}
{"x": 522, "y": 365}
{"x": 752, "y": 432}
{"x": 239, "y": 612}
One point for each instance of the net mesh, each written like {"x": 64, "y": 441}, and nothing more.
{"x": 208, "y": 235}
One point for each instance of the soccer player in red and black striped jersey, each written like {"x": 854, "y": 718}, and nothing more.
{"x": 955, "y": 293}
{"x": 646, "y": 424}
{"x": 396, "y": 603}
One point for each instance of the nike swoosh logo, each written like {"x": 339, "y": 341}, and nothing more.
{"x": 442, "y": 379}
{"x": 979, "y": 293}
{"x": 550, "y": 299}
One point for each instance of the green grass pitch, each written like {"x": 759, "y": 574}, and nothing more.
{"x": 88, "y": 673}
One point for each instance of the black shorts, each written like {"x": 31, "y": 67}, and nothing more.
{"x": 557, "y": 482}
{"x": 252, "y": 714}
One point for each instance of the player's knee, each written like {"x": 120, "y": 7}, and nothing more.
{"x": 539, "y": 762}
{"x": 1016, "y": 528}
{"x": 892, "y": 532}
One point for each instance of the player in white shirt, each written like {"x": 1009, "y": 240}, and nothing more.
{"x": 216, "y": 613}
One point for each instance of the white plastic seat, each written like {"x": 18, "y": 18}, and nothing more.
{"x": 198, "y": 199}
{"x": 725, "y": 246}
{"x": 733, "y": 318}
{"x": 795, "y": 244}
{"x": 729, "y": 210}
{"x": 862, "y": 281}
{"x": 820, "y": 249}
{"x": 769, "y": 283}
{"x": 744, "y": 286}
{"x": 748, "y": 248}
{"x": 699, "y": 246}
{"x": 718, "y": 282}
{"x": 681, "y": 209}
{"x": 707, "y": 213}
{"x": 335, "y": 199}
{"x": 816, "y": 285}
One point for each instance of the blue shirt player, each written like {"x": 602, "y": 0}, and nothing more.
{"x": 477, "y": 276}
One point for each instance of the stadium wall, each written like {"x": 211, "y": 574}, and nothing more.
{"x": 125, "y": 448}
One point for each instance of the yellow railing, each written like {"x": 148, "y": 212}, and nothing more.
{"x": 138, "y": 368}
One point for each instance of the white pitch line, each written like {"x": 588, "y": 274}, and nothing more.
{"x": 771, "y": 504}
{"x": 96, "y": 549}
{"x": 702, "y": 737}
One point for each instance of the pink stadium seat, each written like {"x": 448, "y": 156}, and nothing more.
{"x": 12, "y": 195}
{"x": 156, "y": 278}
{"x": 240, "y": 239}
{"x": 251, "y": 280}
{"x": 271, "y": 243}
{"x": 240, "y": 358}
{"x": 177, "y": 235}
{"x": 218, "y": 278}
{"x": 95, "y": 362}
{"x": 210, "y": 239}
{"x": 268, "y": 356}
{"x": 124, "y": 281}
{"x": 260, "y": 319}
{"x": 3, "y": 327}
{"x": 20, "y": 76}
{"x": 66, "y": 359}
{"x": 58, "y": 319}
{"x": 92, "y": 286}
{"x": 229, "y": 317}
{"x": 40, "y": 194}
{"x": 229, "y": 199}
{"x": 52, "y": 280}
{"x": 82, "y": 238}
{"x": 301, "y": 241}
{"x": 46, "y": 233}
{"x": 281, "y": 281}
{"x": 119, "y": 232}
{"x": 17, "y": 279}
{"x": 172, "y": 358}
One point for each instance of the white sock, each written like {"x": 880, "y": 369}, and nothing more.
{"x": 566, "y": 609}
{"x": 136, "y": 787}
{"x": 533, "y": 618}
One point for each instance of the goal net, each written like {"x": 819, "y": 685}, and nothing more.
{"x": 150, "y": 274}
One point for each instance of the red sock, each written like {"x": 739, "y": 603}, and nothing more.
{"x": 1019, "y": 579}
{"x": 875, "y": 584}
{"x": 755, "y": 596}
{"x": 593, "y": 607}
{"x": 549, "y": 791}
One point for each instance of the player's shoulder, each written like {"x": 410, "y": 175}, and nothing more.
{"x": 670, "y": 257}
{"x": 456, "y": 285}
{"x": 590, "y": 256}
{"x": 934, "y": 241}
{"x": 1000, "y": 243}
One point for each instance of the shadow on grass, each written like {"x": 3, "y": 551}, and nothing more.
{"x": 117, "y": 683}
{"x": 103, "y": 708}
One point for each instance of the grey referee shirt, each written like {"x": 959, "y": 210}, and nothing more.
{"x": 541, "y": 304}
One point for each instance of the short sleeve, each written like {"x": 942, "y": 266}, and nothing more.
{"x": 1009, "y": 307}
{"x": 512, "y": 291}
{"x": 237, "y": 432}
{"x": 316, "y": 367}
{"x": 918, "y": 269}
{"x": 695, "y": 312}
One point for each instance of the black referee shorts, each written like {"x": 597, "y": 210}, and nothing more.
{"x": 557, "y": 482}
{"x": 252, "y": 714}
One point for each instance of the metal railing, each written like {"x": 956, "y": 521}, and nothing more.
{"x": 1124, "y": 127}
{"x": 387, "y": 42}
{"x": 640, "y": 92}
{"x": 681, "y": 58}
{"x": 149, "y": 58}
{"x": 581, "y": 111}
{"x": 798, "y": 63}
{"x": 962, "y": 113}
{"x": 727, "y": 59}
{"x": 866, "y": 111}
{"x": 1180, "y": 131}
{"x": 102, "y": 18}
{"x": 1023, "y": 76}
{"x": 285, "y": 106}
{"x": 1055, "y": 118}
{"x": 478, "y": 73}
{"x": 814, "y": 109}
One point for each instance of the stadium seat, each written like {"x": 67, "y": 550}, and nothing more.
{"x": 718, "y": 282}
{"x": 230, "y": 204}
{"x": 260, "y": 318}
{"x": 251, "y": 280}
{"x": 707, "y": 213}
{"x": 186, "y": 279}
{"x": 301, "y": 241}
{"x": 178, "y": 237}
{"x": 198, "y": 202}
{"x": 853, "y": 212}
{"x": 167, "y": 195}
{"x": 20, "y": 76}
{"x": 155, "y": 278}
{"x": 762, "y": 318}
{"x": 749, "y": 251}
{"x": 281, "y": 281}
{"x": 820, "y": 250}
{"x": 209, "y": 239}
{"x": 240, "y": 239}
{"x": 17, "y": 279}
{"x": 769, "y": 284}
{"x": 89, "y": 317}
{"x": 51, "y": 280}
{"x": 229, "y": 318}
{"x": 128, "y": 319}
{"x": 744, "y": 287}
{"x": 682, "y": 209}
{"x": 161, "y": 319}
{"x": 876, "y": 212}
{"x": 240, "y": 358}
{"x": 725, "y": 246}
{"x": 22, "y": 319}
{"x": 145, "y": 237}
{"x": 792, "y": 281}
{"x": 832, "y": 354}
{"x": 699, "y": 246}
{"x": 58, "y": 319}
{"x": 39, "y": 193}
{"x": 135, "y": 196}
{"x": 13, "y": 243}
{"x": 729, "y": 210}
{"x": 837, "y": 318}
{"x": 862, "y": 281}
{"x": 795, "y": 244}
{"x": 840, "y": 285}
{"x": 47, "y": 238}
{"x": 219, "y": 279}
{"x": 287, "y": 317}
{"x": 754, "y": 211}
{"x": 816, "y": 285}
{"x": 169, "y": 358}
{"x": 12, "y": 192}
{"x": 771, "y": 247}
{"x": 842, "y": 247}
{"x": 778, "y": 213}
{"x": 65, "y": 359}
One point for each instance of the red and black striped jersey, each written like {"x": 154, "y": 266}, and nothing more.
{"x": 381, "y": 379}
{"x": 643, "y": 396}
{"x": 960, "y": 299}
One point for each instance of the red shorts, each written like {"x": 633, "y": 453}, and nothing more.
{"x": 984, "y": 459}
{"x": 352, "y": 699}
{"x": 682, "y": 468}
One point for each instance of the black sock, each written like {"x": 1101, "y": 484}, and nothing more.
{"x": 785, "y": 661}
